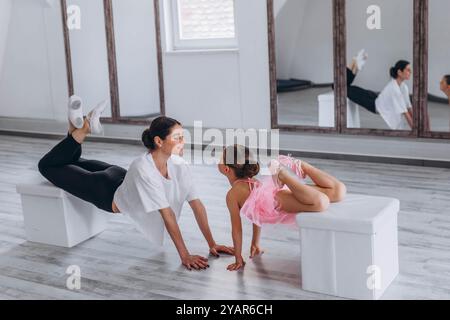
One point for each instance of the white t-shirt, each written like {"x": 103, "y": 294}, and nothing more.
{"x": 392, "y": 103}
{"x": 145, "y": 191}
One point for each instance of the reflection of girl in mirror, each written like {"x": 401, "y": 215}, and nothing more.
{"x": 393, "y": 103}
{"x": 445, "y": 86}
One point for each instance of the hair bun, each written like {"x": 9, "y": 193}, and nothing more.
{"x": 392, "y": 73}
{"x": 160, "y": 127}
{"x": 250, "y": 170}
{"x": 148, "y": 140}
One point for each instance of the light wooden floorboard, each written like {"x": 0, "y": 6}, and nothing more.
{"x": 120, "y": 264}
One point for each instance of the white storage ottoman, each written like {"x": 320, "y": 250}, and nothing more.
{"x": 327, "y": 112}
{"x": 54, "y": 217}
{"x": 351, "y": 250}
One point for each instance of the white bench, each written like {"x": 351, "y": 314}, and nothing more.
{"x": 351, "y": 250}
{"x": 53, "y": 216}
{"x": 327, "y": 112}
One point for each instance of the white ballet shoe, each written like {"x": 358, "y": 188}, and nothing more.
{"x": 301, "y": 173}
{"x": 75, "y": 112}
{"x": 361, "y": 59}
{"x": 94, "y": 118}
{"x": 274, "y": 168}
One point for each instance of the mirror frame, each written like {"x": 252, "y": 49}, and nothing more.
{"x": 338, "y": 79}
{"x": 112, "y": 63}
{"x": 420, "y": 62}
{"x": 425, "y": 126}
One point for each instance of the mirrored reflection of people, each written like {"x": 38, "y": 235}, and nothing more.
{"x": 445, "y": 88}
{"x": 393, "y": 103}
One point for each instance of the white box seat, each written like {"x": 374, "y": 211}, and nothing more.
{"x": 327, "y": 112}
{"x": 55, "y": 217}
{"x": 351, "y": 250}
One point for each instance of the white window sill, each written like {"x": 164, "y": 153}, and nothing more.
{"x": 201, "y": 51}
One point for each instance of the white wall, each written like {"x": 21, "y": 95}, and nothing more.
{"x": 5, "y": 14}
{"x": 223, "y": 89}
{"x": 312, "y": 56}
{"x": 386, "y": 46}
{"x": 136, "y": 54}
{"x": 89, "y": 55}
{"x": 28, "y": 83}
{"x": 304, "y": 40}
{"x": 287, "y": 33}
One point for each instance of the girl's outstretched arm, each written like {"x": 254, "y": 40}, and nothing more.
{"x": 255, "y": 248}
{"x": 236, "y": 225}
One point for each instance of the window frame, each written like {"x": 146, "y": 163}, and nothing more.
{"x": 179, "y": 44}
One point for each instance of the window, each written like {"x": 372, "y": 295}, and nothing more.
{"x": 203, "y": 24}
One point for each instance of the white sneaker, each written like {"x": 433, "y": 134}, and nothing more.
{"x": 361, "y": 59}
{"x": 75, "y": 111}
{"x": 94, "y": 117}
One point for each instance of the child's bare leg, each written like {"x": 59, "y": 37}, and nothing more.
{"x": 80, "y": 134}
{"x": 300, "y": 197}
{"x": 326, "y": 183}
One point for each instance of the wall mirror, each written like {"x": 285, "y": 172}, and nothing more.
{"x": 438, "y": 99}
{"x": 304, "y": 57}
{"x": 116, "y": 55}
{"x": 374, "y": 58}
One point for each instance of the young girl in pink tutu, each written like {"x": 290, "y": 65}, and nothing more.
{"x": 275, "y": 199}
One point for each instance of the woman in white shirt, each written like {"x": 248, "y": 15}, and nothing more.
{"x": 393, "y": 103}
{"x": 445, "y": 86}
{"x": 157, "y": 183}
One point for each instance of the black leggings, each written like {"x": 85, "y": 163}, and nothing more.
{"x": 90, "y": 180}
{"x": 364, "y": 98}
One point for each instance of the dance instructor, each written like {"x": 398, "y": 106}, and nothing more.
{"x": 156, "y": 183}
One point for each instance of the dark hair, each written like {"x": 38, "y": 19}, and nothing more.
{"x": 399, "y": 66}
{"x": 447, "y": 78}
{"x": 242, "y": 162}
{"x": 160, "y": 127}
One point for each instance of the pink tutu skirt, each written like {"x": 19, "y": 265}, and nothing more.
{"x": 262, "y": 208}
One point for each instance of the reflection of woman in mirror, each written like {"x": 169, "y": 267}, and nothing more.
{"x": 445, "y": 86}
{"x": 393, "y": 103}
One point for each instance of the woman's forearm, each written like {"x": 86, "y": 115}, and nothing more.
{"x": 173, "y": 229}
{"x": 202, "y": 220}
{"x": 409, "y": 119}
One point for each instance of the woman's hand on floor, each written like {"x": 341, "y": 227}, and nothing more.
{"x": 239, "y": 264}
{"x": 216, "y": 249}
{"x": 195, "y": 262}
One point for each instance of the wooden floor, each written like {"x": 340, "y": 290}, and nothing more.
{"x": 120, "y": 264}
